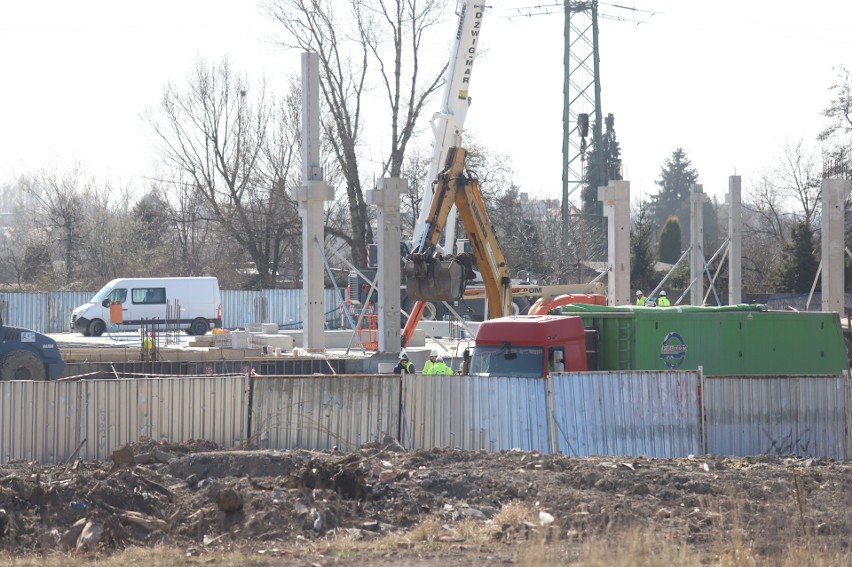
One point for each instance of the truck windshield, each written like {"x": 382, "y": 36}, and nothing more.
{"x": 501, "y": 361}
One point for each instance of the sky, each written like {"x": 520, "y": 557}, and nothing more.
{"x": 729, "y": 81}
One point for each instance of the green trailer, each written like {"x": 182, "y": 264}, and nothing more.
{"x": 730, "y": 340}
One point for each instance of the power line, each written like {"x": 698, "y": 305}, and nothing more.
{"x": 558, "y": 8}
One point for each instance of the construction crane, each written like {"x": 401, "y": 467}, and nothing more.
{"x": 447, "y": 124}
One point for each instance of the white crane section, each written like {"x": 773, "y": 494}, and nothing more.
{"x": 447, "y": 124}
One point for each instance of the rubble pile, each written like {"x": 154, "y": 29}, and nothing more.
{"x": 198, "y": 497}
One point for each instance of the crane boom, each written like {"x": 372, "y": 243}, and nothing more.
{"x": 447, "y": 124}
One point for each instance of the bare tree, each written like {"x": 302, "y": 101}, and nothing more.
{"x": 216, "y": 133}
{"x": 15, "y": 237}
{"x": 799, "y": 179}
{"x": 62, "y": 200}
{"x": 194, "y": 240}
{"x": 767, "y": 214}
{"x": 772, "y": 208}
{"x": 839, "y": 113}
{"x": 113, "y": 247}
{"x": 345, "y": 55}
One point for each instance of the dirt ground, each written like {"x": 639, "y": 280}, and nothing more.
{"x": 382, "y": 505}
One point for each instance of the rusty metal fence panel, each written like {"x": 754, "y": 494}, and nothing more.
{"x": 213, "y": 408}
{"x": 778, "y": 415}
{"x": 322, "y": 412}
{"x": 475, "y": 412}
{"x": 40, "y": 421}
{"x": 631, "y": 413}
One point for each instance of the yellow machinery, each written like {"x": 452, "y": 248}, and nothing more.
{"x": 431, "y": 276}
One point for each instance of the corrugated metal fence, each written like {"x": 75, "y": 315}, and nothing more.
{"x": 654, "y": 414}
{"x": 475, "y": 412}
{"x": 50, "y": 312}
{"x": 778, "y": 415}
{"x": 322, "y": 412}
{"x": 282, "y": 306}
{"x": 48, "y": 421}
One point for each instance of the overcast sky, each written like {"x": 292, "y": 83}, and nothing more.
{"x": 729, "y": 81}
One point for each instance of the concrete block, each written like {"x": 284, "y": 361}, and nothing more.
{"x": 269, "y": 328}
{"x": 239, "y": 339}
{"x": 284, "y": 342}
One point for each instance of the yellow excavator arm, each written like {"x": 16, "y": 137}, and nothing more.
{"x": 431, "y": 276}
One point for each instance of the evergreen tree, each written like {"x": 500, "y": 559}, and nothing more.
{"x": 596, "y": 176}
{"x": 797, "y": 273}
{"x": 669, "y": 247}
{"x": 642, "y": 258}
{"x": 676, "y": 180}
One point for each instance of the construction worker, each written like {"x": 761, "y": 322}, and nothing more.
{"x": 440, "y": 367}
{"x": 663, "y": 301}
{"x": 404, "y": 366}
{"x": 433, "y": 355}
{"x": 640, "y": 297}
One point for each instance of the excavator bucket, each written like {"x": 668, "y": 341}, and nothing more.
{"x": 434, "y": 280}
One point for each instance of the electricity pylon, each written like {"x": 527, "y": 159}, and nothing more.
{"x": 582, "y": 97}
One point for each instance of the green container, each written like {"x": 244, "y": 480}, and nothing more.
{"x": 733, "y": 340}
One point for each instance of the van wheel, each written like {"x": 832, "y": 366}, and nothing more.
{"x": 96, "y": 328}
{"x": 22, "y": 365}
{"x": 199, "y": 327}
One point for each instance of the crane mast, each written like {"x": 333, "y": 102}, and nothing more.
{"x": 447, "y": 124}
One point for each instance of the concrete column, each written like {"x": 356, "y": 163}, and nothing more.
{"x": 696, "y": 240}
{"x": 386, "y": 200}
{"x": 735, "y": 229}
{"x": 834, "y": 192}
{"x": 311, "y": 195}
{"x": 616, "y": 201}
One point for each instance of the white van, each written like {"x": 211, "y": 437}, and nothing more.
{"x": 192, "y": 303}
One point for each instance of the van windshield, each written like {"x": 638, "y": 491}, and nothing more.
{"x": 102, "y": 294}
{"x": 507, "y": 361}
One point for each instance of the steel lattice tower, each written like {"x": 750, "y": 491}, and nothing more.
{"x": 582, "y": 96}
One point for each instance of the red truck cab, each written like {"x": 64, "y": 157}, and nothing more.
{"x": 529, "y": 345}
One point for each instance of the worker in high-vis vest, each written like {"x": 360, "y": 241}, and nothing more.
{"x": 440, "y": 367}
{"x": 433, "y": 356}
{"x": 640, "y": 297}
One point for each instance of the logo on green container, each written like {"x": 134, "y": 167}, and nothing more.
{"x": 673, "y": 350}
